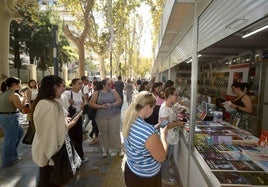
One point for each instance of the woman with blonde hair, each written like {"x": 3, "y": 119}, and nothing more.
{"x": 145, "y": 148}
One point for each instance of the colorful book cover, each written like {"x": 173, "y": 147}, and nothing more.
{"x": 227, "y": 177}
{"x": 217, "y": 116}
{"x": 226, "y": 147}
{"x": 206, "y": 148}
{"x": 247, "y": 147}
{"x": 245, "y": 165}
{"x": 200, "y": 139}
{"x": 219, "y": 164}
{"x": 235, "y": 155}
{"x": 257, "y": 153}
{"x": 256, "y": 178}
{"x": 263, "y": 164}
{"x": 221, "y": 139}
{"x": 212, "y": 155}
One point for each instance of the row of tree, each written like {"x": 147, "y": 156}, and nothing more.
{"x": 110, "y": 30}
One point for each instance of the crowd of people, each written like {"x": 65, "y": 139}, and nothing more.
{"x": 57, "y": 112}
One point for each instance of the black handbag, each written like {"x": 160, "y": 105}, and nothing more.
{"x": 65, "y": 164}
{"x": 29, "y": 135}
{"x": 91, "y": 112}
{"x": 62, "y": 171}
{"x": 71, "y": 109}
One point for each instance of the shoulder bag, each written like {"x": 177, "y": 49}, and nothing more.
{"x": 29, "y": 135}
{"x": 66, "y": 162}
{"x": 173, "y": 136}
{"x": 71, "y": 109}
{"x": 91, "y": 112}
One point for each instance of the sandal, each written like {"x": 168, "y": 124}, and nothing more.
{"x": 93, "y": 142}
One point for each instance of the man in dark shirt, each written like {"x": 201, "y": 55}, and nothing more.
{"x": 119, "y": 87}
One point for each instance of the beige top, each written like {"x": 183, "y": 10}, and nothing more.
{"x": 7, "y": 105}
{"x": 50, "y": 132}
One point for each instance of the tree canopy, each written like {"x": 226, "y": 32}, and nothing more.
{"x": 107, "y": 32}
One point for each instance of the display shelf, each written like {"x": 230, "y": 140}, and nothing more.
{"x": 221, "y": 164}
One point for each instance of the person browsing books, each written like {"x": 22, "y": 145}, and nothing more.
{"x": 169, "y": 114}
{"x": 242, "y": 104}
{"x": 145, "y": 148}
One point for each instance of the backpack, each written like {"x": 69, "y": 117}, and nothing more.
{"x": 91, "y": 112}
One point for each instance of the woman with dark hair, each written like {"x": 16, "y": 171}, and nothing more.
{"x": 50, "y": 125}
{"x": 107, "y": 102}
{"x": 169, "y": 114}
{"x": 94, "y": 134}
{"x": 168, "y": 84}
{"x": 156, "y": 90}
{"x": 33, "y": 90}
{"x": 144, "y": 86}
{"x": 242, "y": 104}
{"x": 31, "y": 96}
{"x": 11, "y": 103}
{"x": 129, "y": 90}
{"x": 75, "y": 97}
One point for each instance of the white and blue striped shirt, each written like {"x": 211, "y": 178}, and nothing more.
{"x": 139, "y": 159}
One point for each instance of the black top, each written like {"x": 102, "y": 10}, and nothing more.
{"x": 239, "y": 102}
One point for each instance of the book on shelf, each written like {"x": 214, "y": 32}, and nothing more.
{"x": 246, "y": 147}
{"x": 202, "y": 115}
{"x": 263, "y": 163}
{"x": 245, "y": 165}
{"x": 235, "y": 121}
{"x": 187, "y": 128}
{"x": 242, "y": 179}
{"x": 206, "y": 148}
{"x": 259, "y": 155}
{"x": 226, "y": 147}
{"x": 227, "y": 106}
{"x": 212, "y": 155}
{"x": 200, "y": 139}
{"x": 219, "y": 164}
{"x": 222, "y": 139}
{"x": 256, "y": 153}
{"x": 256, "y": 178}
{"x": 235, "y": 155}
{"x": 230, "y": 177}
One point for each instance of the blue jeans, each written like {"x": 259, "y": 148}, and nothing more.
{"x": 13, "y": 133}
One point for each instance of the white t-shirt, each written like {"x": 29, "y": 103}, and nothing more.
{"x": 77, "y": 97}
{"x": 166, "y": 111}
{"x": 85, "y": 89}
{"x": 34, "y": 93}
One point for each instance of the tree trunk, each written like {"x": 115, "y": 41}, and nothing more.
{"x": 81, "y": 53}
{"x": 17, "y": 61}
{"x": 5, "y": 20}
{"x": 102, "y": 66}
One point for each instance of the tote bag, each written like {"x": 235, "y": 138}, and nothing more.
{"x": 66, "y": 162}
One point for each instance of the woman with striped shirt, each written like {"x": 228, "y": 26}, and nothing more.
{"x": 145, "y": 148}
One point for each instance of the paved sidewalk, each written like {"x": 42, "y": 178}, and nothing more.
{"x": 23, "y": 174}
{"x": 97, "y": 172}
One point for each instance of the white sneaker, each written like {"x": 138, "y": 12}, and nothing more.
{"x": 121, "y": 154}
{"x": 169, "y": 181}
{"x": 84, "y": 160}
{"x": 104, "y": 154}
{"x": 113, "y": 153}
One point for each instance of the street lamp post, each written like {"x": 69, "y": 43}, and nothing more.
{"x": 111, "y": 64}
{"x": 55, "y": 49}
